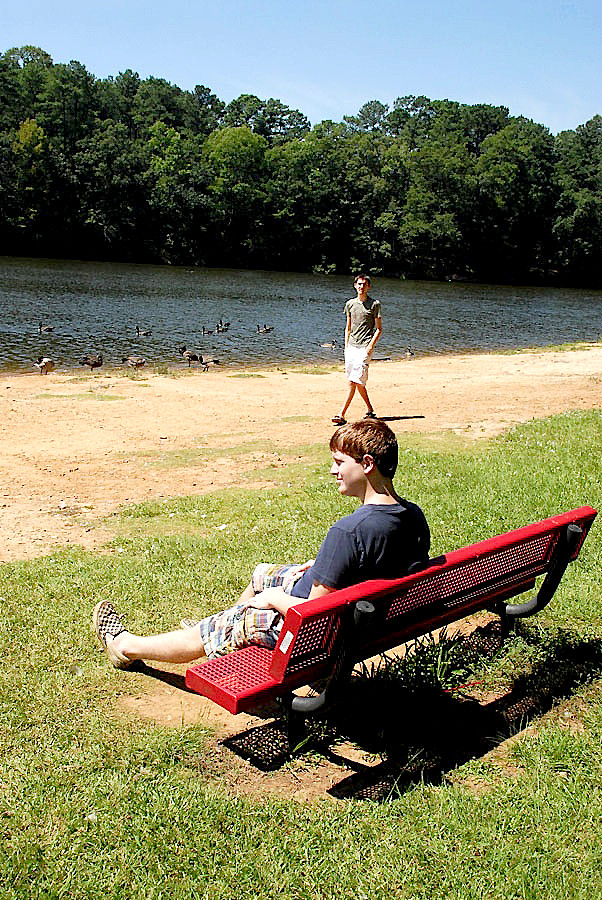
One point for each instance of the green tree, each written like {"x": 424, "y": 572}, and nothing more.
{"x": 207, "y": 110}
{"x": 236, "y": 163}
{"x": 436, "y": 209}
{"x": 272, "y": 119}
{"x": 371, "y": 117}
{"x": 31, "y": 181}
{"x": 117, "y": 100}
{"x": 113, "y": 209}
{"x": 33, "y": 67}
{"x": 68, "y": 105}
{"x": 11, "y": 108}
{"x": 578, "y": 225}
{"x": 518, "y": 191}
{"x": 156, "y": 100}
{"x": 178, "y": 187}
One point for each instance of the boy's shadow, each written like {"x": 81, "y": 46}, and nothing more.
{"x": 421, "y": 735}
{"x": 398, "y": 418}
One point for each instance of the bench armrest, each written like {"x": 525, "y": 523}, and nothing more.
{"x": 567, "y": 542}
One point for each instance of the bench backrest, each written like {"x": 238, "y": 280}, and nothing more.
{"x": 449, "y": 588}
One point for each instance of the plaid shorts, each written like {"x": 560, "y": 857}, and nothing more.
{"x": 244, "y": 624}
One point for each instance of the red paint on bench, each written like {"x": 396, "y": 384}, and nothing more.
{"x": 451, "y": 587}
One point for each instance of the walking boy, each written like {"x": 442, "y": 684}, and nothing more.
{"x": 363, "y": 327}
{"x": 381, "y": 539}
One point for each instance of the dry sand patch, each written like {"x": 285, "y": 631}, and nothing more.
{"x": 76, "y": 448}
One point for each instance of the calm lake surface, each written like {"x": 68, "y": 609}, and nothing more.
{"x": 95, "y": 307}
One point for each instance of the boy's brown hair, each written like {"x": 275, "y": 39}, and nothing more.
{"x": 365, "y": 277}
{"x": 369, "y": 437}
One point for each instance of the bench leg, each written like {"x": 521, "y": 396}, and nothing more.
{"x": 298, "y": 709}
{"x": 294, "y": 722}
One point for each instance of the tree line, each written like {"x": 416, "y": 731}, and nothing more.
{"x": 136, "y": 169}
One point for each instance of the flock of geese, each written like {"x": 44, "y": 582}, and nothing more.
{"x": 45, "y": 364}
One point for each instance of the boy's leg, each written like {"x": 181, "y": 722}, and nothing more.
{"x": 180, "y": 646}
{"x": 364, "y": 395}
{"x": 123, "y": 648}
{"x": 350, "y": 394}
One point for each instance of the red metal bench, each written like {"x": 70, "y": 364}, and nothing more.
{"x": 324, "y": 638}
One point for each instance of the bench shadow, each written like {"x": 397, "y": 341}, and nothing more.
{"x": 420, "y": 736}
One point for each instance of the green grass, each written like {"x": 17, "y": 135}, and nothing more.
{"x": 316, "y": 369}
{"x": 96, "y": 805}
{"x": 89, "y": 395}
{"x": 246, "y": 375}
{"x": 196, "y": 456}
{"x": 571, "y": 345}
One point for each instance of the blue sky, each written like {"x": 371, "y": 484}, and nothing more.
{"x": 541, "y": 59}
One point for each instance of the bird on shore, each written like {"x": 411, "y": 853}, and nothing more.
{"x": 45, "y": 364}
{"x": 264, "y": 329}
{"x": 45, "y": 329}
{"x": 93, "y": 360}
{"x": 134, "y": 362}
{"x": 409, "y": 353}
{"x": 142, "y": 333}
{"x": 190, "y": 356}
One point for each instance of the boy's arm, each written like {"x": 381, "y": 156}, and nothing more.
{"x": 378, "y": 325}
{"x": 347, "y": 328}
{"x": 275, "y": 598}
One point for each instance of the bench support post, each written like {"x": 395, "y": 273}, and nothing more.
{"x": 565, "y": 547}
{"x": 299, "y": 708}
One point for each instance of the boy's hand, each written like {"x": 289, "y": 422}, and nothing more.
{"x": 265, "y": 599}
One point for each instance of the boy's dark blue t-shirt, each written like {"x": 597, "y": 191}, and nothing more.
{"x": 375, "y": 541}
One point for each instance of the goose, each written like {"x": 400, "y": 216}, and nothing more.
{"x": 222, "y": 326}
{"x": 207, "y": 330}
{"x": 330, "y": 344}
{"x": 409, "y": 353}
{"x": 142, "y": 333}
{"x": 191, "y": 356}
{"x": 45, "y": 364}
{"x": 91, "y": 359}
{"x": 45, "y": 329}
{"x": 265, "y": 329}
{"x": 135, "y": 362}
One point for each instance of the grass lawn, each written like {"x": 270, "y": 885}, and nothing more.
{"x": 95, "y": 805}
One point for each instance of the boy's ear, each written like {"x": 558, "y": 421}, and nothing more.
{"x": 368, "y": 463}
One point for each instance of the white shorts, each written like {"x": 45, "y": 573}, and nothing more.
{"x": 356, "y": 364}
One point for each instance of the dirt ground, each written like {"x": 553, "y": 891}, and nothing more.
{"x": 75, "y": 448}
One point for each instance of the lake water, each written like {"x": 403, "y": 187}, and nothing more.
{"x": 95, "y": 307}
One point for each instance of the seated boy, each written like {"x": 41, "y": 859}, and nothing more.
{"x": 380, "y": 539}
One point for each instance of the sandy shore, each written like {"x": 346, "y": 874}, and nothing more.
{"x": 75, "y": 448}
